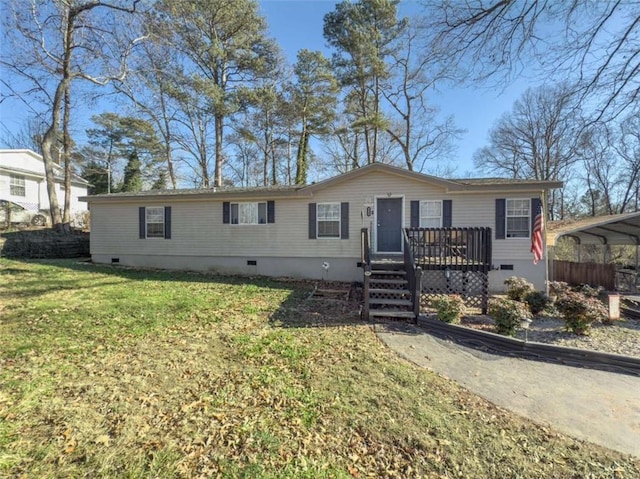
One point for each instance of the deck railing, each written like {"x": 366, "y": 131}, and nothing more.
{"x": 467, "y": 249}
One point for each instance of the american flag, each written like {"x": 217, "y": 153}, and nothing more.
{"x": 536, "y": 236}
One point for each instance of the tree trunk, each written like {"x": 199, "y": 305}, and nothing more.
{"x": 301, "y": 157}
{"x": 66, "y": 155}
{"x": 217, "y": 174}
{"x": 48, "y": 142}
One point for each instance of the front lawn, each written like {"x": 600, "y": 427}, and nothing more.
{"x": 118, "y": 373}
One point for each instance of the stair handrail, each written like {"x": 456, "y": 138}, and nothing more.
{"x": 414, "y": 274}
{"x": 365, "y": 263}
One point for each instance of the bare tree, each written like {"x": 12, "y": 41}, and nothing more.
{"x": 536, "y": 139}
{"x": 55, "y": 43}
{"x": 595, "y": 44}
{"x": 149, "y": 88}
{"x": 414, "y": 127}
{"x": 29, "y": 136}
{"x": 611, "y": 156}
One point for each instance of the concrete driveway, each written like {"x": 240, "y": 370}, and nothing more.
{"x": 595, "y": 406}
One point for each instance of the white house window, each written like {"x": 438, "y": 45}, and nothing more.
{"x": 328, "y": 218}
{"x": 155, "y": 222}
{"x": 16, "y": 185}
{"x": 430, "y": 214}
{"x": 518, "y": 218}
{"x": 248, "y": 213}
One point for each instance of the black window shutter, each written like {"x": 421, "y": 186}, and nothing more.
{"x": 344, "y": 220}
{"x": 226, "y": 212}
{"x": 312, "y": 221}
{"x": 167, "y": 222}
{"x": 271, "y": 211}
{"x": 536, "y": 204}
{"x": 142, "y": 220}
{"x": 447, "y": 214}
{"x": 415, "y": 214}
{"x": 501, "y": 217}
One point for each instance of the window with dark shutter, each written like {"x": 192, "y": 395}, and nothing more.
{"x": 447, "y": 213}
{"x": 501, "y": 218}
{"x": 344, "y": 220}
{"x": 415, "y": 214}
{"x": 312, "y": 221}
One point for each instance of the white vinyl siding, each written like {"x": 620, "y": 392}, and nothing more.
{"x": 197, "y": 232}
{"x": 328, "y": 218}
{"x": 17, "y": 185}
{"x": 155, "y": 222}
{"x": 518, "y": 218}
{"x": 431, "y": 214}
{"x": 248, "y": 213}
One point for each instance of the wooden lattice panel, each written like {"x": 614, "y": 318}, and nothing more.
{"x": 472, "y": 286}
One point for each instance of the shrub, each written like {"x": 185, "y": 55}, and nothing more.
{"x": 587, "y": 290}
{"x": 581, "y": 311}
{"x": 557, "y": 289}
{"x": 518, "y": 288}
{"x": 507, "y": 314}
{"x": 537, "y": 302}
{"x": 449, "y": 308}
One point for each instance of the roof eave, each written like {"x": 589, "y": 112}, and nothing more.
{"x": 215, "y": 195}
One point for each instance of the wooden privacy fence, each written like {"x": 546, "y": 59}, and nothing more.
{"x": 594, "y": 274}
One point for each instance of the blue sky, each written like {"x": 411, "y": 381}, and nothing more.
{"x": 297, "y": 24}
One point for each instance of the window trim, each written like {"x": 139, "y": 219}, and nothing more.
{"x": 146, "y": 222}
{"x": 507, "y": 216}
{"x": 22, "y": 183}
{"x": 430, "y": 217}
{"x": 334, "y": 203}
{"x": 257, "y": 203}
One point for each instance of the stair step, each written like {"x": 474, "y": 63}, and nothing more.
{"x": 388, "y": 291}
{"x": 383, "y": 272}
{"x": 391, "y": 314}
{"x": 387, "y": 264}
{"x": 391, "y": 302}
{"x": 387, "y": 281}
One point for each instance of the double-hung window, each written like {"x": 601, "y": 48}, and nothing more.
{"x": 155, "y": 222}
{"x": 249, "y": 213}
{"x": 430, "y": 214}
{"x": 518, "y": 216}
{"x": 328, "y": 220}
{"x": 17, "y": 185}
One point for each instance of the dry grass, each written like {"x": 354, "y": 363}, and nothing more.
{"x": 109, "y": 372}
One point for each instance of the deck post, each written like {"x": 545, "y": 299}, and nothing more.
{"x": 365, "y": 283}
{"x": 417, "y": 293}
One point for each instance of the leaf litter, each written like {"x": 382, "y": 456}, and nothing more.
{"x": 286, "y": 388}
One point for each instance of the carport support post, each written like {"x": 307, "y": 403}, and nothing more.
{"x": 551, "y": 254}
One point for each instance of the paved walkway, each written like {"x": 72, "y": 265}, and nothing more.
{"x": 595, "y": 406}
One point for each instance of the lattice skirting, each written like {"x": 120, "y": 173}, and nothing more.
{"x": 473, "y": 286}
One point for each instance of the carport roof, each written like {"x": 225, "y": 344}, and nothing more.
{"x": 622, "y": 229}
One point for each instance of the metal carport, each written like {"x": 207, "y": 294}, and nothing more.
{"x": 617, "y": 230}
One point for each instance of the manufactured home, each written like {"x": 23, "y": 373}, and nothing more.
{"x": 319, "y": 231}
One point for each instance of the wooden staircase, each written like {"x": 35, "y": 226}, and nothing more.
{"x": 388, "y": 292}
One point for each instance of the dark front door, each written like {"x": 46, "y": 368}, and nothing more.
{"x": 389, "y": 225}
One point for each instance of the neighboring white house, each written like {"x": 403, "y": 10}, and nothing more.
{"x": 22, "y": 181}
{"x": 293, "y": 231}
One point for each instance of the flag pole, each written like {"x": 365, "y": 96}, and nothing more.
{"x": 545, "y": 211}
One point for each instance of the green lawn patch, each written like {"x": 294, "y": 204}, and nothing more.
{"x": 119, "y": 373}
